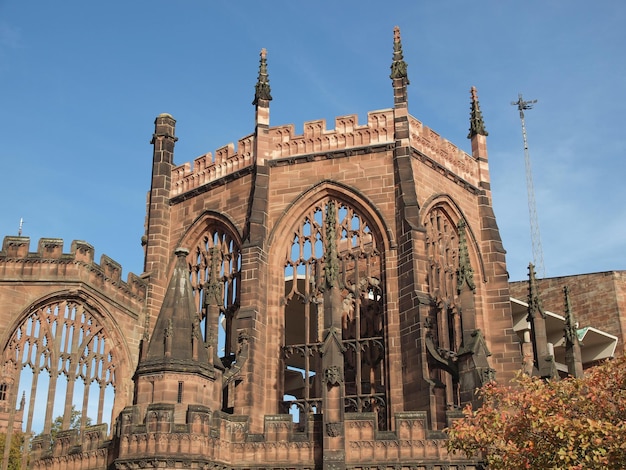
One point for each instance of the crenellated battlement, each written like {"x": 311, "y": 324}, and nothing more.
{"x": 89, "y": 447}
{"x": 443, "y": 152}
{"x": 50, "y": 251}
{"x": 206, "y": 168}
{"x": 228, "y": 160}
{"x": 316, "y": 138}
{"x": 346, "y": 134}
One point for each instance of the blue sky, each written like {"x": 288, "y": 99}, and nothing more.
{"x": 81, "y": 83}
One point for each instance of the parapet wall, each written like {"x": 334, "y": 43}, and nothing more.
{"x": 219, "y": 440}
{"x": 346, "y": 134}
{"x": 316, "y": 138}
{"x": 209, "y": 437}
{"x": 15, "y": 250}
{"x": 443, "y": 152}
{"x": 206, "y": 169}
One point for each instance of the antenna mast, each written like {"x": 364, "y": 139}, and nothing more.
{"x": 532, "y": 209}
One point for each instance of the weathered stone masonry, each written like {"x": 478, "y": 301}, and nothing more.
{"x": 325, "y": 300}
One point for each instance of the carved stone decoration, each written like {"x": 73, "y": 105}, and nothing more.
{"x": 331, "y": 269}
{"x": 334, "y": 303}
{"x": 477, "y": 125}
{"x": 333, "y": 338}
{"x": 334, "y": 429}
{"x": 333, "y": 376}
{"x": 213, "y": 288}
{"x": 444, "y": 340}
{"x": 262, "y": 88}
{"x": 573, "y": 356}
{"x": 535, "y": 309}
{"x": 195, "y": 329}
{"x": 243, "y": 338}
{"x": 570, "y": 329}
{"x": 543, "y": 362}
{"x": 398, "y": 65}
{"x": 234, "y": 369}
{"x": 214, "y": 265}
{"x": 465, "y": 272}
{"x": 488, "y": 375}
{"x": 443, "y": 251}
{"x": 8, "y": 373}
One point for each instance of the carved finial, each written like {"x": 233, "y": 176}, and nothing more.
{"x": 262, "y": 87}
{"x": 465, "y": 272}
{"x": 571, "y": 336}
{"x": 398, "y": 65}
{"x": 534, "y": 304}
{"x": 477, "y": 125}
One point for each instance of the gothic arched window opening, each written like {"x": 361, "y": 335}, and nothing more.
{"x": 333, "y": 240}
{"x": 451, "y": 336}
{"x": 60, "y": 360}
{"x": 215, "y": 265}
{"x": 444, "y": 329}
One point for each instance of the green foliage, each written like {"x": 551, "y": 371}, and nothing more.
{"x": 75, "y": 417}
{"x": 558, "y": 424}
{"x": 15, "y": 453}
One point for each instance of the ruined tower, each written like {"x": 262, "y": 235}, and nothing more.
{"x": 326, "y": 300}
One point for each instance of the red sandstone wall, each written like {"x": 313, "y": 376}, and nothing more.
{"x": 27, "y": 277}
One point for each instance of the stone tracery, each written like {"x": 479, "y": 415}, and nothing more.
{"x": 334, "y": 245}
{"x": 62, "y": 358}
{"x": 215, "y": 265}
{"x": 445, "y": 333}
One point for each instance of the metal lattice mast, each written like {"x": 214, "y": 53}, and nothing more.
{"x": 532, "y": 208}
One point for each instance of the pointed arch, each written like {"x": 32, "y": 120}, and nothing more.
{"x": 65, "y": 354}
{"x": 349, "y": 195}
{"x": 449, "y": 205}
{"x": 332, "y": 231}
{"x": 452, "y": 336}
{"x": 214, "y": 262}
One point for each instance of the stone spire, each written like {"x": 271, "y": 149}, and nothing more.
{"x": 404, "y": 177}
{"x": 398, "y": 65}
{"x": 573, "y": 357}
{"x": 176, "y": 344}
{"x": 262, "y": 87}
{"x": 477, "y": 125}
{"x": 261, "y": 102}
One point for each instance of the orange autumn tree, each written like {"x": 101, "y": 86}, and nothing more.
{"x": 556, "y": 424}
